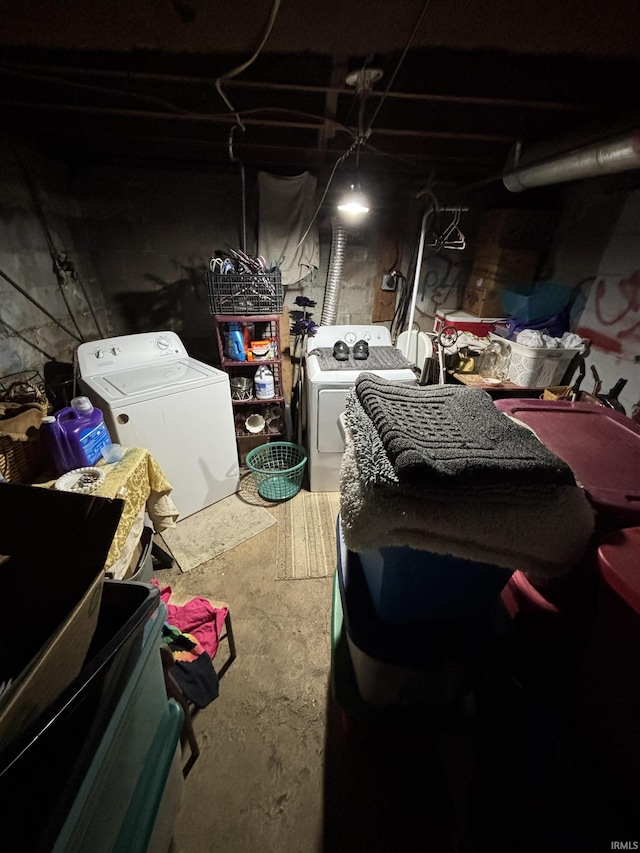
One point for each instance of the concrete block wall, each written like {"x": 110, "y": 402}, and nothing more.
{"x": 34, "y": 220}
{"x": 141, "y": 239}
{"x": 150, "y": 234}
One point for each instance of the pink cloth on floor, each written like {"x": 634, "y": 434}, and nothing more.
{"x": 198, "y": 617}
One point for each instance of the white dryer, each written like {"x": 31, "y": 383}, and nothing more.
{"x": 327, "y": 382}
{"x": 154, "y": 395}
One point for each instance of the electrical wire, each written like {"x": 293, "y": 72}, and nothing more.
{"x": 235, "y": 71}
{"x": 18, "y": 334}
{"x": 354, "y": 145}
{"x": 62, "y": 264}
{"x": 322, "y": 120}
{"x": 89, "y": 87}
{"x": 24, "y": 293}
{"x": 235, "y": 159}
{"x": 397, "y": 68}
{"x": 48, "y": 238}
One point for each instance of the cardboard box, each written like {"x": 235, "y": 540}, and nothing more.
{"x": 493, "y": 269}
{"x": 516, "y": 229}
{"x": 54, "y": 546}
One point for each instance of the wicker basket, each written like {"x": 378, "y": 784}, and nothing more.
{"x": 22, "y": 461}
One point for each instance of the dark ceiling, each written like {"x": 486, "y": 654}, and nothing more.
{"x": 462, "y": 82}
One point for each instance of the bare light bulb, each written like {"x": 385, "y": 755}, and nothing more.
{"x": 354, "y": 203}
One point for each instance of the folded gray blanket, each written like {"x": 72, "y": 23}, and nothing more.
{"x": 541, "y": 529}
{"x": 436, "y": 434}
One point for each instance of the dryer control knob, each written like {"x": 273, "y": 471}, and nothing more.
{"x": 163, "y": 343}
{"x": 99, "y": 353}
{"x": 350, "y": 337}
{"x": 367, "y": 336}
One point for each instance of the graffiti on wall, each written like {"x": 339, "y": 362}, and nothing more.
{"x": 611, "y": 319}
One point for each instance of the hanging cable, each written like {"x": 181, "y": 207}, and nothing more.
{"x": 234, "y": 72}
{"x": 397, "y": 68}
{"x": 18, "y": 334}
{"x": 62, "y": 264}
{"x": 354, "y": 145}
{"x": 24, "y": 293}
{"x": 235, "y": 159}
{"x": 47, "y": 234}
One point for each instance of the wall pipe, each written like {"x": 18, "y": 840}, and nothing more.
{"x": 334, "y": 274}
{"x": 602, "y": 158}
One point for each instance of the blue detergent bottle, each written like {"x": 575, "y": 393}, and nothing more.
{"x": 235, "y": 343}
{"x": 76, "y": 436}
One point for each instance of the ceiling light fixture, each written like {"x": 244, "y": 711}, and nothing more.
{"x": 354, "y": 203}
{"x": 592, "y": 161}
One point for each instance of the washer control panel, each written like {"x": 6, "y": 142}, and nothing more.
{"x": 109, "y": 354}
{"x": 326, "y": 336}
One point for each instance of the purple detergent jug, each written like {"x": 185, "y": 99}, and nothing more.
{"x": 76, "y": 436}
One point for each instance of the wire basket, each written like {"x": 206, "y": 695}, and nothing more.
{"x": 22, "y": 459}
{"x": 252, "y": 293}
{"x": 278, "y": 469}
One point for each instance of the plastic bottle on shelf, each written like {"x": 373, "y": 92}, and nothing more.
{"x": 235, "y": 343}
{"x": 264, "y": 383}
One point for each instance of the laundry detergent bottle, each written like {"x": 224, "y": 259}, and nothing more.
{"x": 235, "y": 343}
{"x": 76, "y": 436}
{"x": 264, "y": 383}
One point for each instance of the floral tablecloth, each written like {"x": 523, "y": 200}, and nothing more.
{"x": 140, "y": 482}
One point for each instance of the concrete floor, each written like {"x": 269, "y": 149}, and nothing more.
{"x": 258, "y": 783}
{"x": 282, "y": 769}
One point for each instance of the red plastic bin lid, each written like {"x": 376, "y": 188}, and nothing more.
{"x": 600, "y": 445}
{"x": 619, "y": 563}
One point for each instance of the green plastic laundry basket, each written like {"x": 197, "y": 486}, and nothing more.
{"x": 278, "y": 469}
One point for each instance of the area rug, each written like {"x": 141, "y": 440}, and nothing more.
{"x": 202, "y": 536}
{"x": 307, "y": 535}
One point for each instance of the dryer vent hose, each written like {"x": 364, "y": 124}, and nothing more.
{"x": 334, "y": 274}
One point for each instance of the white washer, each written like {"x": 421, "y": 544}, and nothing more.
{"x": 153, "y": 394}
{"x": 326, "y": 390}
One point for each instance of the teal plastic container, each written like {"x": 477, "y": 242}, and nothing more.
{"x": 529, "y": 302}
{"x": 131, "y": 765}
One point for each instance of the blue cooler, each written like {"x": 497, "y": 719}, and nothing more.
{"x": 426, "y": 662}
{"x": 408, "y": 586}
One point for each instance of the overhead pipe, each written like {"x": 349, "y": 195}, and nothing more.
{"x": 334, "y": 274}
{"x": 602, "y": 158}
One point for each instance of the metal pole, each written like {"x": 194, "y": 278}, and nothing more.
{"x": 416, "y": 281}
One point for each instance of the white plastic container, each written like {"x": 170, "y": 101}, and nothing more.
{"x": 264, "y": 383}
{"x": 537, "y": 367}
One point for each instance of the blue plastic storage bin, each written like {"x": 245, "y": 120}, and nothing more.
{"x": 424, "y": 663}
{"x": 529, "y": 302}
{"x": 407, "y": 585}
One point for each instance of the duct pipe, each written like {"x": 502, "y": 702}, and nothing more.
{"x": 334, "y": 274}
{"x": 603, "y": 158}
